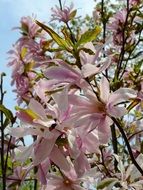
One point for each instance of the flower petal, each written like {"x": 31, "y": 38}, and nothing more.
{"x": 116, "y": 111}
{"x": 37, "y": 108}
{"x": 61, "y": 99}
{"x": 43, "y": 149}
{"x": 59, "y": 159}
{"x": 89, "y": 70}
{"x": 24, "y": 155}
{"x": 121, "y": 95}
{"x": 23, "y": 131}
{"x": 62, "y": 74}
{"x": 104, "y": 89}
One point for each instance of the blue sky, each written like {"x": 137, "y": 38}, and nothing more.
{"x": 10, "y": 13}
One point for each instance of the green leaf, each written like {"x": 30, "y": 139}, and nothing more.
{"x": 61, "y": 42}
{"x": 67, "y": 36}
{"x": 72, "y": 14}
{"x": 137, "y": 67}
{"x": 29, "y": 66}
{"x": 24, "y": 28}
{"x": 89, "y": 36}
{"x": 8, "y": 114}
{"x": 23, "y": 52}
{"x": 106, "y": 183}
{"x": 27, "y": 185}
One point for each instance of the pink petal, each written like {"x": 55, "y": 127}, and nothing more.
{"x": 59, "y": 159}
{"x": 81, "y": 164}
{"x": 89, "y": 70}
{"x": 41, "y": 87}
{"x": 23, "y": 116}
{"x": 24, "y": 155}
{"x": 91, "y": 142}
{"x": 41, "y": 175}
{"x": 43, "y": 171}
{"x": 62, "y": 74}
{"x": 104, "y": 131}
{"x": 121, "y": 95}
{"x": 78, "y": 100}
{"x": 104, "y": 89}
{"x": 61, "y": 99}
{"x": 116, "y": 111}
{"x": 104, "y": 65}
{"x": 37, "y": 108}
{"x": 85, "y": 57}
{"x": 43, "y": 149}
{"x": 22, "y": 131}
{"x": 73, "y": 145}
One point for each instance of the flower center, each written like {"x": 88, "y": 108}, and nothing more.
{"x": 99, "y": 107}
{"x": 67, "y": 182}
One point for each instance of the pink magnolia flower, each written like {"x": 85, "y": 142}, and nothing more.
{"x": 116, "y": 24}
{"x": 88, "y": 111}
{"x": 69, "y": 181}
{"x": 26, "y": 56}
{"x": 36, "y": 123}
{"x": 129, "y": 177}
{"x": 29, "y": 27}
{"x": 80, "y": 143}
{"x": 16, "y": 61}
{"x": 58, "y": 182}
{"x": 118, "y": 20}
{"x": 18, "y": 176}
{"x": 22, "y": 88}
{"x": 19, "y": 79}
{"x": 63, "y": 15}
{"x": 27, "y": 53}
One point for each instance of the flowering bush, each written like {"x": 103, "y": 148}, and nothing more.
{"x": 80, "y": 99}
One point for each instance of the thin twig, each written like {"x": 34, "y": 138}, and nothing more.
{"x": 8, "y": 148}
{"x": 127, "y": 144}
{"x": 60, "y": 3}
{"x": 124, "y": 39}
{"x": 103, "y": 163}
{"x": 15, "y": 179}
{"x": 104, "y": 29}
{"x": 2, "y": 136}
{"x": 136, "y": 133}
{"x": 114, "y": 144}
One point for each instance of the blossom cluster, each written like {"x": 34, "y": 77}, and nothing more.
{"x": 80, "y": 100}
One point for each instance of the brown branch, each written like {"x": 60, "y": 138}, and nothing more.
{"x": 138, "y": 132}
{"x": 104, "y": 29}
{"x": 103, "y": 163}
{"x": 115, "y": 145}
{"x": 8, "y": 148}
{"x": 124, "y": 39}
{"x": 117, "y": 122}
{"x": 2, "y": 135}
